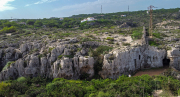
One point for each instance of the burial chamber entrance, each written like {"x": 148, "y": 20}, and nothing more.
{"x": 166, "y": 62}
{"x": 157, "y": 71}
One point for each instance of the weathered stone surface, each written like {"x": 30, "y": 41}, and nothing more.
{"x": 34, "y": 62}
{"x": 17, "y": 54}
{"x": 44, "y": 66}
{"x": 10, "y": 73}
{"x": 23, "y": 48}
{"x": 125, "y": 62}
{"x": 174, "y": 56}
{"x": 20, "y": 66}
{"x": 67, "y": 51}
{"x": 1, "y": 53}
{"x": 86, "y": 65}
{"x": 83, "y": 51}
{"x": 115, "y": 63}
{"x": 56, "y": 52}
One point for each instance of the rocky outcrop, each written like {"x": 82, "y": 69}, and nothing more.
{"x": 125, "y": 62}
{"x": 1, "y": 53}
{"x": 72, "y": 61}
{"x": 174, "y": 56}
{"x": 47, "y": 66}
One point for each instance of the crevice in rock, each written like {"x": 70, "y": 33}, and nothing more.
{"x": 166, "y": 62}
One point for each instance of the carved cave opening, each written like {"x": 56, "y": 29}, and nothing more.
{"x": 166, "y": 62}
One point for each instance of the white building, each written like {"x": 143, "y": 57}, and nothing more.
{"x": 88, "y": 19}
{"x": 147, "y": 12}
{"x": 61, "y": 19}
{"x": 13, "y": 20}
{"x": 123, "y": 15}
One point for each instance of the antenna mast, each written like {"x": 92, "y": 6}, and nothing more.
{"x": 128, "y": 9}
{"x": 150, "y": 9}
{"x": 101, "y": 9}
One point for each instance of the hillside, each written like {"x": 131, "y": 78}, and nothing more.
{"x": 45, "y": 55}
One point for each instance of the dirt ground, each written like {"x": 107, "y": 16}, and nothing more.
{"x": 151, "y": 72}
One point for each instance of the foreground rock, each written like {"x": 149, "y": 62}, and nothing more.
{"x": 48, "y": 66}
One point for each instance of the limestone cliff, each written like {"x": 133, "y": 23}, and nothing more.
{"x": 36, "y": 59}
{"x": 128, "y": 61}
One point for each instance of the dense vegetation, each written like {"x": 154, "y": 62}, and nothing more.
{"x": 134, "y": 19}
{"x": 139, "y": 86}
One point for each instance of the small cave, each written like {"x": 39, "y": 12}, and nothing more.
{"x": 166, "y": 62}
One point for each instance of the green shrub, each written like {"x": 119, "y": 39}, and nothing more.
{"x": 44, "y": 54}
{"x": 100, "y": 50}
{"x": 157, "y": 35}
{"x": 69, "y": 56}
{"x": 110, "y": 38}
{"x": 50, "y": 49}
{"x": 153, "y": 43}
{"x": 126, "y": 44}
{"x": 168, "y": 48}
{"x": 21, "y": 79}
{"x": 8, "y": 65}
{"x": 8, "y": 29}
{"x": 110, "y": 42}
{"x": 35, "y": 92}
{"x": 136, "y": 34}
{"x": 60, "y": 56}
{"x": 3, "y": 86}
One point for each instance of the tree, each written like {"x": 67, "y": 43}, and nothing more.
{"x": 38, "y": 24}
{"x": 52, "y": 23}
{"x": 30, "y": 22}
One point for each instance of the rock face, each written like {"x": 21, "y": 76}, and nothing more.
{"x": 67, "y": 61}
{"x": 174, "y": 56}
{"x": 125, "y": 62}
{"x": 50, "y": 66}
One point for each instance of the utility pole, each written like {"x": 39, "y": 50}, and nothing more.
{"x": 150, "y": 9}
{"x": 128, "y": 9}
{"x": 101, "y": 9}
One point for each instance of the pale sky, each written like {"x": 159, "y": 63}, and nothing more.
{"x": 35, "y": 9}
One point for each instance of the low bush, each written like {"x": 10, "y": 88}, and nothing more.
{"x": 168, "y": 48}
{"x": 50, "y": 49}
{"x": 110, "y": 42}
{"x": 7, "y": 65}
{"x": 157, "y": 35}
{"x": 153, "y": 43}
{"x": 126, "y": 44}
{"x": 21, "y": 79}
{"x": 110, "y": 38}
{"x": 137, "y": 34}
{"x": 123, "y": 86}
{"x": 8, "y": 29}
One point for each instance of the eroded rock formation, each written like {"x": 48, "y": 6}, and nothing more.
{"x": 125, "y": 62}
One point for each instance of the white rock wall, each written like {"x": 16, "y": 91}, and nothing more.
{"x": 129, "y": 61}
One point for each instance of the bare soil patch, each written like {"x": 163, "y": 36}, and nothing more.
{"x": 151, "y": 72}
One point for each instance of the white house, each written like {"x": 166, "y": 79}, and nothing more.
{"x": 61, "y": 19}
{"x": 88, "y": 19}
{"x": 147, "y": 12}
{"x": 13, "y": 20}
{"x": 123, "y": 15}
